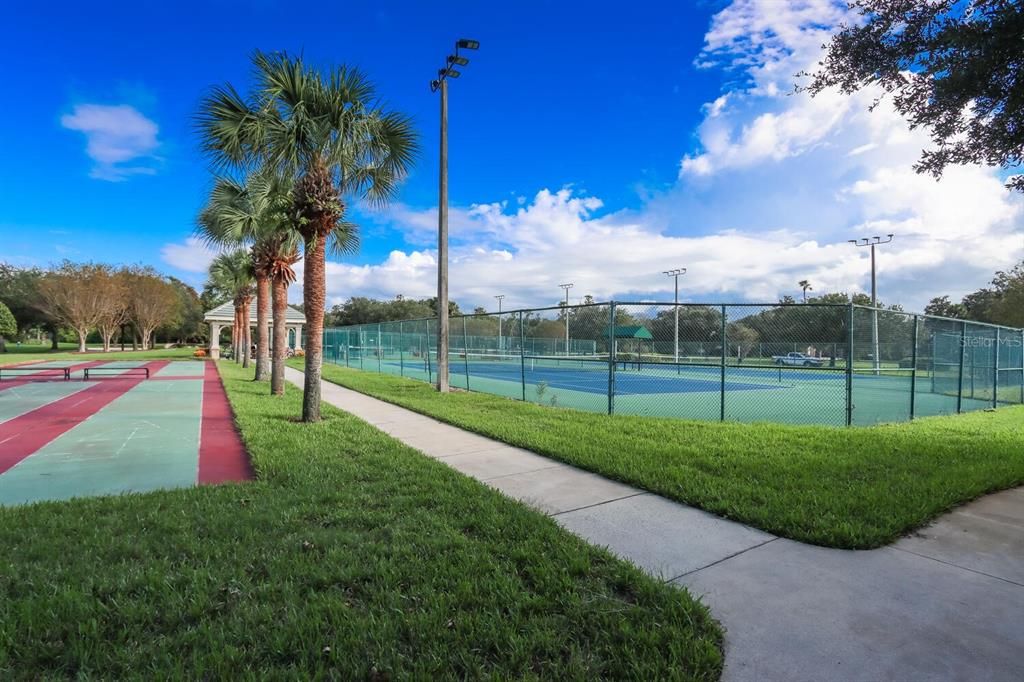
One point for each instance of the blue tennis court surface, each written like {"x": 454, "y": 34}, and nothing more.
{"x": 591, "y": 376}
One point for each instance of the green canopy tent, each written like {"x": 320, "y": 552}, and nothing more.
{"x": 637, "y": 334}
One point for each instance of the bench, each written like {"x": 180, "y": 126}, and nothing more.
{"x": 63, "y": 371}
{"x": 120, "y": 371}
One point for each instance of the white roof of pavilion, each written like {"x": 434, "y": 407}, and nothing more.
{"x": 226, "y": 313}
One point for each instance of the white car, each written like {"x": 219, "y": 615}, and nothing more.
{"x": 797, "y": 360}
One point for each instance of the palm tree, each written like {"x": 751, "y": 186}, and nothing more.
{"x": 232, "y": 274}
{"x": 256, "y": 214}
{"x": 338, "y": 141}
{"x": 806, "y": 286}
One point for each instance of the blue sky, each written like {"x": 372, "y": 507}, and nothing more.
{"x": 598, "y": 146}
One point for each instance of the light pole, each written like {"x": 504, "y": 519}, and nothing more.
{"x": 566, "y": 287}
{"x": 499, "y": 297}
{"x": 873, "y": 242}
{"x": 441, "y": 83}
{"x": 675, "y": 274}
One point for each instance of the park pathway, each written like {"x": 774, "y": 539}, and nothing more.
{"x": 944, "y": 604}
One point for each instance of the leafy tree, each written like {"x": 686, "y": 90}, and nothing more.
{"x": 112, "y": 289}
{"x": 8, "y": 326}
{"x": 72, "y": 295}
{"x": 19, "y": 290}
{"x": 453, "y": 307}
{"x": 330, "y": 133}
{"x": 152, "y": 301}
{"x": 951, "y": 67}
{"x": 943, "y": 307}
{"x": 1002, "y": 302}
{"x": 700, "y": 329}
{"x": 742, "y": 339}
{"x": 211, "y": 297}
{"x": 190, "y": 326}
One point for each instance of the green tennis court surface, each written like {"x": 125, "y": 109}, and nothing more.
{"x": 115, "y": 433}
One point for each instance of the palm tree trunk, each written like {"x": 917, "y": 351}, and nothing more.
{"x": 314, "y": 287}
{"x": 236, "y": 345}
{"x": 262, "y": 333}
{"x": 280, "y": 304}
{"x": 246, "y": 335}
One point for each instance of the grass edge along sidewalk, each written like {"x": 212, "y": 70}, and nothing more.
{"x": 353, "y": 557}
{"x": 832, "y": 486}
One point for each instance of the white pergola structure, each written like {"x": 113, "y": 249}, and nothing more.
{"x": 223, "y": 317}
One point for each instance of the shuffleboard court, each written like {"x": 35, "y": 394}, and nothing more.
{"x": 20, "y": 398}
{"x": 117, "y": 432}
{"x": 181, "y": 369}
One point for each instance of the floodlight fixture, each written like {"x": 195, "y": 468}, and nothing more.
{"x": 467, "y": 44}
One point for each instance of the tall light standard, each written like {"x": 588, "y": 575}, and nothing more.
{"x": 566, "y": 287}
{"x": 873, "y": 242}
{"x": 499, "y": 297}
{"x": 441, "y": 83}
{"x": 675, "y": 274}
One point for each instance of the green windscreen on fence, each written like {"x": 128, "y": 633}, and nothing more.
{"x": 788, "y": 363}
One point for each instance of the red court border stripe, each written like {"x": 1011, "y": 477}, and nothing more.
{"x": 21, "y": 381}
{"x": 21, "y": 436}
{"x": 222, "y": 456}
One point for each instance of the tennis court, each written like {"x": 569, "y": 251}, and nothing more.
{"x": 77, "y": 429}
{"x": 853, "y": 365}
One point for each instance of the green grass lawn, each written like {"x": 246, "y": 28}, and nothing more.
{"x": 832, "y": 486}
{"x": 353, "y": 557}
{"x": 34, "y": 353}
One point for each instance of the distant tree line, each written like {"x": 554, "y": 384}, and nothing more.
{"x": 1002, "y": 302}
{"x": 98, "y": 303}
{"x": 363, "y": 310}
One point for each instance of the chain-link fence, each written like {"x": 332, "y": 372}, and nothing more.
{"x": 790, "y": 363}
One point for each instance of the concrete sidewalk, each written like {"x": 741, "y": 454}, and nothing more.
{"x": 945, "y": 604}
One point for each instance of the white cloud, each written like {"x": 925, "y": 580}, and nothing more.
{"x": 830, "y": 166}
{"x": 192, "y": 256}
{"x": 119, "y": 139}
{"x": 558, "y": 238}
{"x": 779, "y": 183}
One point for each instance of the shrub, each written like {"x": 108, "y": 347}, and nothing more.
{"x": 299, "y": 353}
{"x": 199, "y": 353}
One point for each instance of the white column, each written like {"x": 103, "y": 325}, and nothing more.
{"x": 215, "y": 340}
{"x": 298, "y": 337}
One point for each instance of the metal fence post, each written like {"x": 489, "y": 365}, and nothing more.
{"x": 522, "y": 355}
{"x": 426, "y": 349}
{"x": 849, "y": 367}
{"x": 913, "y": 370}
{"x": 401, "y": 348}
{"x": 611, "y": 358}
{"x": 465, "y": 350}
{"x": 725, "y": 350}
{"x": 995, "y": 373}
{"x": 960, "y": 379}
{"x": 380, "y": 349}
{"x": 362, "y": 345}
